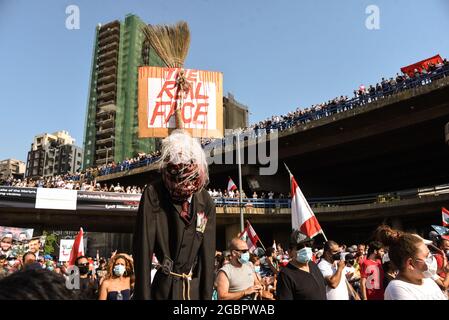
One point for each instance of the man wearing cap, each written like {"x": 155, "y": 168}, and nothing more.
{"x": 300, "y": 279}
{"x": 176, "y": 222}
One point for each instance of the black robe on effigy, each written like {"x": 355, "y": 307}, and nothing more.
{"x": 159, "y": 229}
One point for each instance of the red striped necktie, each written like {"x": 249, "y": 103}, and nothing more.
{"x": 185, "y": 211}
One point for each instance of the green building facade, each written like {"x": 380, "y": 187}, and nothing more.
{"x": 111, "y": 127}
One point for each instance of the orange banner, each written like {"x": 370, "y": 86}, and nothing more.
{"x": 202, "y": 105}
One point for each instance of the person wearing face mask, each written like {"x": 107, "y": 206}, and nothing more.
{"x": 350, "y": 272}
{"x": 300, "y": 279}
{"x": 267, "y": 289}
{"x": 270, "y": 263}
{"x": 412, "y": 258}
{"x": 331, "y": 266}
{"x": 372, "y": 273}
{"x": 441, "y": 252}
{"x": 237, "y": 279}
{"x": 88, "y": 285}
{"x": 118, "y": 282}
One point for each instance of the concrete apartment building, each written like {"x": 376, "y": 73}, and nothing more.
{"x": 53, "y": 154}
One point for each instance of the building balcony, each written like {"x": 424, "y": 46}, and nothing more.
{"x": 106, "y": 95}
{"x": 109, "y": 38}
{"x": 106, "y": 79}
{"x": 102, "y": 131}
{"x": 109, "y": 27}
{"x": 105, "y": 151}
{"x": 104, "y": 114}
{"x": 106, "y": 140}
{"x": 108, "y": 109}
{"x": 107, "y": 55}
{"x": 106, "y": 123}
{"x": 106, "y": 103}
{"x": 111, "y": 70}
{"x": 107, "y": 87}
{"x": 108, "y": 62}
{"x": 108, "y": 47}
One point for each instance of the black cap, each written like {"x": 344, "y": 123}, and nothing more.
{"x": 297, "y": 237}
{"x": 349, "y": 256}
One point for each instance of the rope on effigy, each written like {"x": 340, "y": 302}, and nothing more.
{"x": 182, "y": 87}
{"x": 186, "y": 278}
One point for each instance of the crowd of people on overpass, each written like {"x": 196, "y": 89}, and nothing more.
{"x": 66, "y": 182}
{"x": 362, "y": 96}
{"x": 391, "y": 265}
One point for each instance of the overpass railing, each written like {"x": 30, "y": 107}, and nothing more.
{"x": 335, "y": 201}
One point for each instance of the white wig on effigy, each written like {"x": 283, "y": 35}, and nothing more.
{"x": 180, "y": 148}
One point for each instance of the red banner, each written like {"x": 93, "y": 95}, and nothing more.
{"x": 424, "y": 64}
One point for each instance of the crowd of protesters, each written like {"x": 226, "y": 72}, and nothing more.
{"x": 394, "y": 265}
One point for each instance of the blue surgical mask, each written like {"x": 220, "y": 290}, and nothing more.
{"x": 257, "y": 269}
{"x": 304, "y": 255}
{"x": 119, "y": 270}
{"x": 244, "y": 258}
{"x": 50, "y": 268}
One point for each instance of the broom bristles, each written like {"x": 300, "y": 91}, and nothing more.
{"x": 171, "y": 42}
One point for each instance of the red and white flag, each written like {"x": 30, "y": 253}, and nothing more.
{"x": 250, "y": 236}
{"x": 303, "y": 218}
{"x": 231, "y": 185}
{"x": 77, "y": 248}
{"x": 445, "y": 216}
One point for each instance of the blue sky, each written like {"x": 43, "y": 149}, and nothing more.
{"x": 274, "y": 55}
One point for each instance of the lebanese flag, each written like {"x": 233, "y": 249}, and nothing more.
{"x": 250, "y": 236}
{"x": 77, "y": 248}
{"x": 445, "y": 216}
{"x": 231, "y": 185}
{"x": 303, "y": 218}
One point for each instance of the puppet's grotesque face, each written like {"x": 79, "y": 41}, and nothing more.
{"x": 183, "y": 180}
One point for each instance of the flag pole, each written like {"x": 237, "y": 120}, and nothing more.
{"x": 290, "y": 173}
{"x": 242, "y": 227}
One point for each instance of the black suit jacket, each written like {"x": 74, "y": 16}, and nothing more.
{"x": 159, "y": 229}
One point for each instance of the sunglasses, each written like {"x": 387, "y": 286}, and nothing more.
{"x": 241, "y": 250}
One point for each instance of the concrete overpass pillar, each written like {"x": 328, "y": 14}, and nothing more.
{"x": 231, "y": 231}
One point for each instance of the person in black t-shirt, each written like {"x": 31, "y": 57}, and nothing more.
{"x": 300, "y": 279}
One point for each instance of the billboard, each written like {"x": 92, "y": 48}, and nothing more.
{"x": 60, "y": 199}
{"x": 201, "y": 109}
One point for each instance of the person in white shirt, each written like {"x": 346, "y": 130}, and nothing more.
{"x": 414, "y": 261}
{"x": 331, "y": 266}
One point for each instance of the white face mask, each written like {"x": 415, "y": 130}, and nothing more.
{"x": 11, "y": 262}
{"x": 432, "y": 267}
